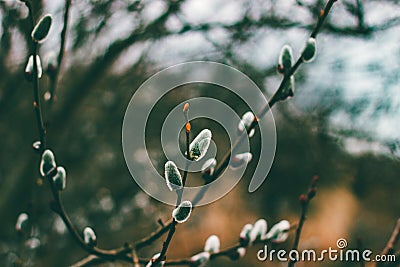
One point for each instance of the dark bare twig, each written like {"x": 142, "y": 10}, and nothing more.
{"x": 35, "y": 84}
{"x": 360, "y": 14}
{"x": 63, "y": 40}
{"x": 167, "y": 241}
{"x": 304, "y": 201}
{"x": 394, "y": 238}
{"x": 135, "y": 259}
{"x": 153, "y": 236}
{"x": 58, "y": 206}
{"x": 227, "y": 252}
{"x": 180, "y": 191}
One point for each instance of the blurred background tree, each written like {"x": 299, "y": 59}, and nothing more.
{"x": 342, "y": 124}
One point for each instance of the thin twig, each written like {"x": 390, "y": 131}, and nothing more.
{"x": 360, "y": 14}
{"x": 58, "y": 206}
{"x": 172, "y": 228}
{"x": 88, "y": 261}
{"x": 146, "y": 241}
{"x": 394, "y": 238}
{"x": 153, "y": 236}
{"x": 188, "y": 160}
{"x": 305, "y": 201}
{"x": 63, "y": 40}
{"x": 164, "y": 249}
{"x": 227, "y": 252}
{"x": 321, "y": 18}
{"x": 35, "y": 84}
{"x": 135, "y": 259}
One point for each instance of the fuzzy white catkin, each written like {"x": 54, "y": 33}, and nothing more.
{"x": 201, "y": 258}
{"x": 245, "y": 122}
{"x": 182, "y": 213}
{"x": 199, "y": 146}
{"x": 42, "y": 28}
{"x": 212, "y": 244}
{"x": 47, "y": 162}
{"x": 245, "y": 233}
{"x": 173, "y": 177}
{"x": 89, "y": 236}
{"x": 154, "y": 258}
{"x": 209, "y": 166}
{"x": 279, "y": 232}
{"x": 259, "y": 230}
{"x": 241, "y": 251}
{"x": 309, "y": 50}
{"x": 60, "y": 179}
{"x": 21, "y": 221}
{"x": 29, "y": 66}
{"x": 286, "y": 57}
{"x": 241, "y": 159}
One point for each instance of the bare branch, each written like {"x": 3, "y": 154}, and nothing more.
{"x": 304, "y": 201}
{"x": 61, "y": 52}
{"x": 394, "y": 238}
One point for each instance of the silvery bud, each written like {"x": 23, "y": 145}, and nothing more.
{"x": 199, "y": 146}
{"x": 245, "y": 122}
{"x": 42, "y": 28}
{"x": 259, "y": 230}
{"x": 241, "y": 159}
{"x": 209, "y": 166}
{"x": 29, "y": 67}
{"x": 241, "y": 251}
{"x": 172, "y": 176}
{"x": 212, "y": 244}
{"x": 89, "y": 237}
{"x": 22, "y": 222}
{"x": 37, "y": 145}
{"x": 47, "y": 163}
{"x": 309, "y": 50}
{"x": 201, "y": 258}
{"x": 245, "y": 234}
{"x": 286, "y": 58}
{"x": 60, "y": 179}
{"x": 182, "y": 213}
{"x": 279, "y": 232}
{"x": 290, "y": 86}
{"x": 237, "y": 254}
{"x": 154, "y": 259}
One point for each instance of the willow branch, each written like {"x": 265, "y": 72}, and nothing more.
{"x": 57, "y": 205}
{"x": 277, "y": 96}
{"x": 153, "y": 236}
{"x": 394, "y": 238}
{"x": 305, "y": 201}
{"x": 35, "y": 84}
{"x": 172, "y": 228}
{"x": 227, "y": 252}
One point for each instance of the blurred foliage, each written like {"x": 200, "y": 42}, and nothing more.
{"x": 113, "y": 46}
